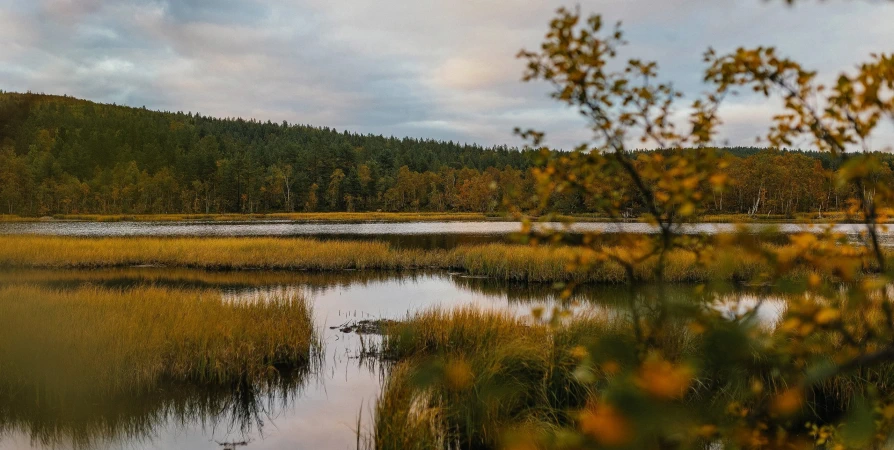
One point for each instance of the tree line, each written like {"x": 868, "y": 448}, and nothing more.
{"x": 61, "y": 155}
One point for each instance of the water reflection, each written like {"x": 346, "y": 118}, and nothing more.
{"x": 405, "y": 234}
{"x": 305, "y": 411}
{"x": 93, "y": 418}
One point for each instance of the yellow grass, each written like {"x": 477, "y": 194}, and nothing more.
{"x": 208, "y": 253}
{"x": 93, "y": 364}
{"x": 130, "y": 340}
{"x": 501, "y": 261}
{"x": 465, "y": 377}
{"x": 190, "y": 278}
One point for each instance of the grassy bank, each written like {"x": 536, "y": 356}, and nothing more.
{"x": 500, "y": 261}
{"x": 359, "y": 217}
{"x": 208, "y": 253}
{"x": 89, "y": 364}
{"x": 472, "y": 379}
{"x": 130, "y": 340}
{"x": 181, "y": 277}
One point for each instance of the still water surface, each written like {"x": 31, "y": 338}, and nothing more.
{"x": 291, "y": 228}
{"x": 322, "y": 411}
{"x": 426, "y": 235}
{"x": 319, "y": 410}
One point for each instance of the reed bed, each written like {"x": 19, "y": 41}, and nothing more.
{"x": 500, "y": 261}
{"x": 208, "y": 253}
{"x": 469, "y": 378}
{"x": 111, "y": 340}
{"x": 465, "y": 377}
{"x": 90, "y": 364}
{"x": 181, "y": 277}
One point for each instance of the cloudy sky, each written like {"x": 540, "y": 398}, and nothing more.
{"x": 422, "y": 68}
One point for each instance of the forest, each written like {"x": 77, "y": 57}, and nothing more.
{"x": 62, "y": 155}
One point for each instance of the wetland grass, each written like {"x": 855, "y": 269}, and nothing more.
{"x": 469, "y": 378}
{"x": 465, "y": 377}
{"x": 88, "y": 363}
{"x": 130, "y": 339}
{"x": 499, "y": 261}
{"x": 209, "y": 253}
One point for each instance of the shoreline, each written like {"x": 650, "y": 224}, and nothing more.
{"x": 402, "y": 217}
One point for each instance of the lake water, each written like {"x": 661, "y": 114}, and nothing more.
{"x": 321, "y": 409}
{"x": 399, "y": 234}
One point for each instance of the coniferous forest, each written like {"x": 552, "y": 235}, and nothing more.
{"x": 61, "y": 155}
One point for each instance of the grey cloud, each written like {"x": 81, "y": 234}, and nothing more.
{"x": 422, "y": 68}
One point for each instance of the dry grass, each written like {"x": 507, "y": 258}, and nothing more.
{"x": 82, "y": 366}
{"x": 500, "y": 261}
{"x": 181, "y": 277}
{"x": 547, "y": 264}
{"x": 465, "y": 377}
{"x": 471, "y": 379}
{"x": 130, "y": 340}
{"x": 208, "y": 253}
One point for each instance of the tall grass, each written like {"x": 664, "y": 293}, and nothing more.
{"x": 493, "y": 372}
{"x": 501, "y": 261}
{"x": 181, "y": 277}
{"x": 91, "y": 363}
{"x": 209, "y": 253}
{"x": 126, "y": 340}
{"x": 469, "y": 378}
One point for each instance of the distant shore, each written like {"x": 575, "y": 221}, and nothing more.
{"x": 360, "y": 217}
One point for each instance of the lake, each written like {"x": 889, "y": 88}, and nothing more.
{"x": 400, "y": 234}
{"x": 320, "y": 409}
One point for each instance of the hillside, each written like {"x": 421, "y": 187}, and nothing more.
{"x": 61, "y": 155}
{"x": 186, "y": 162}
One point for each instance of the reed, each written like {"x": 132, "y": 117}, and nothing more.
{"x": 112, "y": 340}
{"x": 548, "y": 264}
{"x": 209, "y": 253}
{"x": 469, "y": 378}
{"x": 91, "y": 364}
{"x": 181, "y": 277}
{"x": 500, "y": 261}
{"x": 465, "y": 377}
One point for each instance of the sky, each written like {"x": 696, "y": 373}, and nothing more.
{"x": 421, "y": 68}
